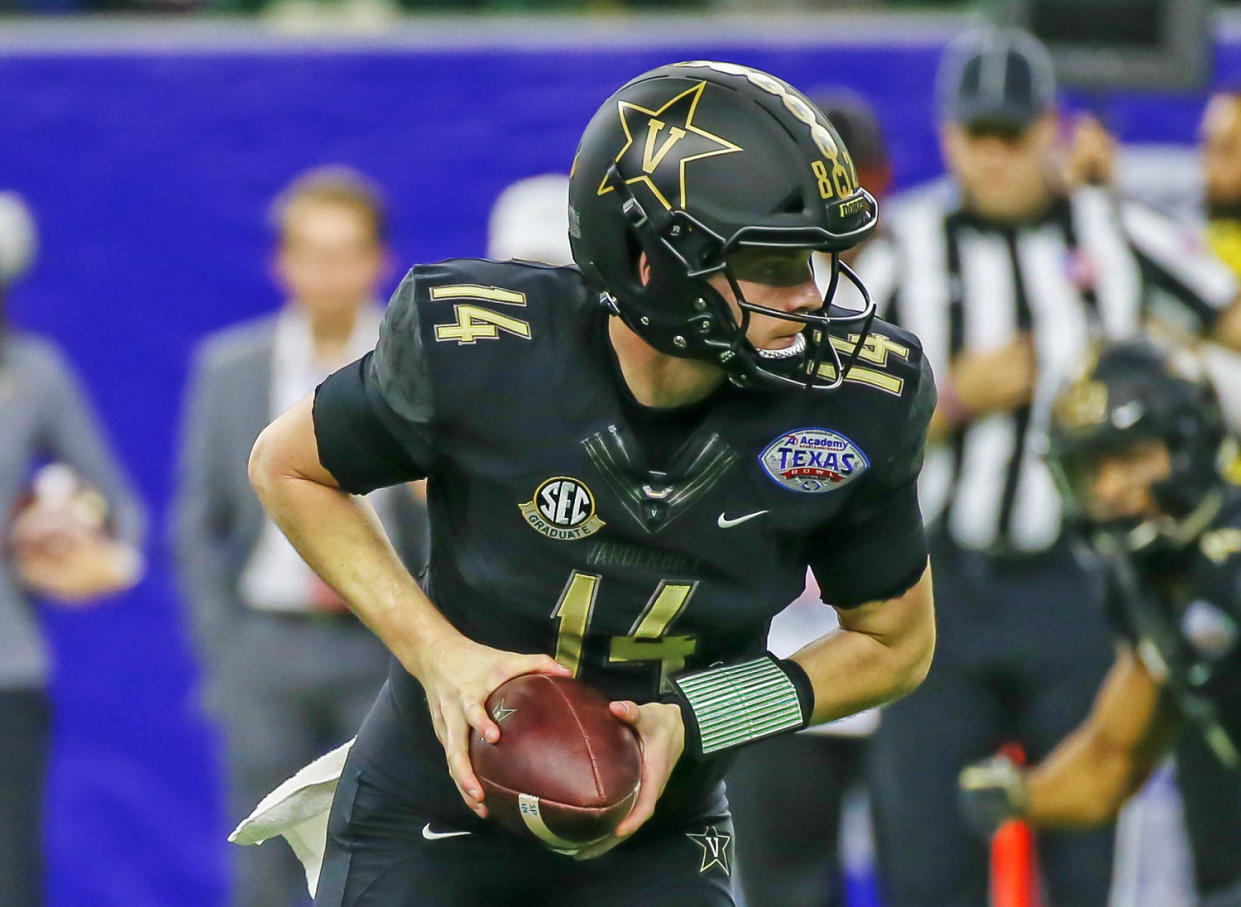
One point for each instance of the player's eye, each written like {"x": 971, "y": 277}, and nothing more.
{"x": 782, "y": 271}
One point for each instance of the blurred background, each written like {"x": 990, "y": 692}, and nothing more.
{"x": 148, "y": 139}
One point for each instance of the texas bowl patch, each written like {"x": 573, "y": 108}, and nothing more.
{"x": 813, "y": 460}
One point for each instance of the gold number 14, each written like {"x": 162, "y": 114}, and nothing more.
{"x": 646, "y": 640}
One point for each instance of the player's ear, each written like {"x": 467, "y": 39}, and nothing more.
{"x": 644, "y": 269}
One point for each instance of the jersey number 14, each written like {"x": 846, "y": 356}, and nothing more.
{"x": 647, "y": 639}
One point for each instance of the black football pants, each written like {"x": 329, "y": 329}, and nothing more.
{"x": 1023, "y": 646}
{"x": 385, "y": 850}
{"x": 787, "y": 797}
{"x": 379, "y": 855}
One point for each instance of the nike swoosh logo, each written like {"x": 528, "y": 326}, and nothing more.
{"x": 725, "y": 523}
{"x": 436, "y": 835}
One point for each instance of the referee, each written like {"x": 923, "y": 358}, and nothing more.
{"x": 1007, "y": 278}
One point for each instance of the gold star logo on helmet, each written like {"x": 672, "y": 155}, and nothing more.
{"x": 663, "y": 138}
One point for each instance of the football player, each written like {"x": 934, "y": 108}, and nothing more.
{"x": 631, "y": 463}
{"x": 1141, "y": 453}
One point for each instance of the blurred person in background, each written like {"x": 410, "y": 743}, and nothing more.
{"x": 1220, "y": 137}
{"x": 1220, "y": 148}
{"x": 1007, "y": 276}
{"x": 1139, "y": 444}
{"x": 1092, "y": 159}
{"x": 288, "y": 669}
{"x": 73, "y": 536}
{"x": 787, "y": 794}
{"x": 530, "y": 221}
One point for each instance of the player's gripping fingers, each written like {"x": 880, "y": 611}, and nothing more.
{"x": 478, "y": 719}
{"x": 545, "y": 664}
{"x": 648, "y": 795}
{"x": 501, "y": 671}
{"x": 456, "y": 754}
{"x": 661, "y": 733}
{"x": 437, "y": 722}
{"x": 515, "y": 665}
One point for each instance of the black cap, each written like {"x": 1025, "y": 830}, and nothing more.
{"x": 997, "y": 76}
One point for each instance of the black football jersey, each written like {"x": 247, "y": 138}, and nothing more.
{"x": 629, "y": 543}
{"x": 1187, "y": 629}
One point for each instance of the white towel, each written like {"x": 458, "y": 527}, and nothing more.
{"x": 298, "y": 809}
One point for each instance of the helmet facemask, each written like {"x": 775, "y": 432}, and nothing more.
{"x": 1078, "y": 474}
{"x": 680, "y": 313}
{"x": 1135, "y": 394}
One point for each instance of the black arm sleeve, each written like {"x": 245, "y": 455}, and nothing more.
{"x": 876, "y": 557}
{"x": 877, "y": 548}
{"x": 362, "y": 443}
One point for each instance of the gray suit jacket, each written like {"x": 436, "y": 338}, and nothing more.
{"x": 44, "y": 413}
{"x": 217, "y": 518}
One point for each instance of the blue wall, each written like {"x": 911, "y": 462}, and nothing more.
{"x": 150, "y": 175}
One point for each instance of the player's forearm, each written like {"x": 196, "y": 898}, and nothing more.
{"x": 342, "y": 540}
{"x": 1084, "y": 782}
{"x": 852, "y": 672}
{"x": 881, "y": 652}
{"x": 1087, "y": 778}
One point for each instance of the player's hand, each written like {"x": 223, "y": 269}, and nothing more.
{"x": 996, "y": 380}
{"x": 661, "y": 732}
{"x": 992, "y": 792}
{"x": 458, "y": 675}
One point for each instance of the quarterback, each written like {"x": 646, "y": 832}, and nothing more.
{"x": 631, "y": 464}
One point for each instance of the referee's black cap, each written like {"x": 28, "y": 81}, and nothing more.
{"x": 994, "y": 76}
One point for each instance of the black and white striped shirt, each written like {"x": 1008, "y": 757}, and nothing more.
{"x": 1093, "y": 266}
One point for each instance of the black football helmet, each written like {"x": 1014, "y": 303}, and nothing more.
{"x": 1133, "y": 391}
{"x": 691, "y": 162}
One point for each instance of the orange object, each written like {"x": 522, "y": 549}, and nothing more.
{"x": 1014, "y": 859}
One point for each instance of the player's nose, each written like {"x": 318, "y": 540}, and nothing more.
{"x": 803, "y": 297}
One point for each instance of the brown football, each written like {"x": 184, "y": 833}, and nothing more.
{"x": 565, "y": 771}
